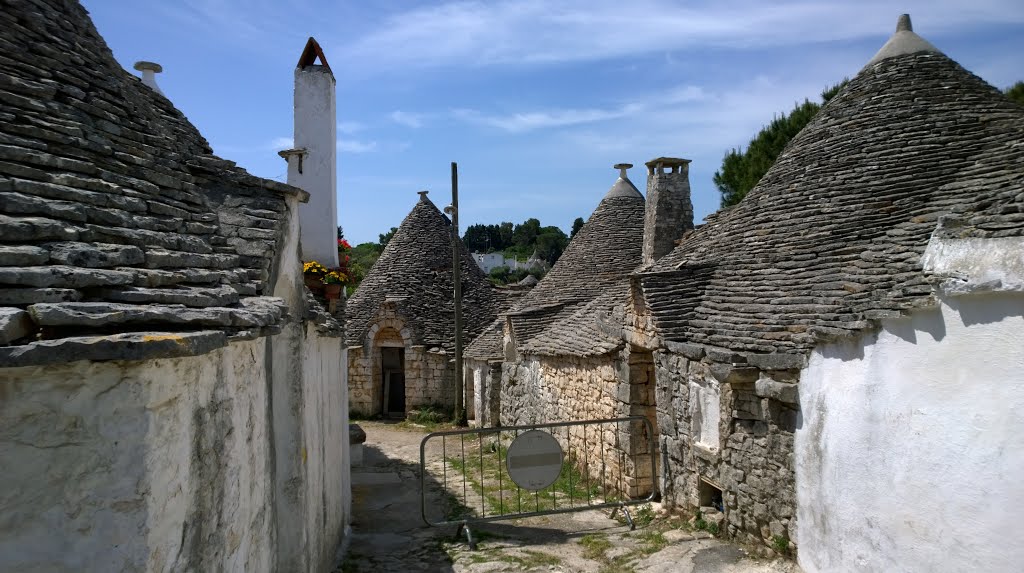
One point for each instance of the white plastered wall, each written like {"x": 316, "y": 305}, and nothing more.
{"x": 911, "y": 450}
{"x": 158, "y": 465}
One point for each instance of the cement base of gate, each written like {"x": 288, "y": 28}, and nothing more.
{"x": 389, "y": 534}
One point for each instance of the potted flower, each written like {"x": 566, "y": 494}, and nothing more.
{"x": 313, "y": 275}
{"x": 333, "y": 280}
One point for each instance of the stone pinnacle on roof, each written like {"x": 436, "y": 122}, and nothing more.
{"x": 623, "y": 187}
{"x": 904, "y": 41}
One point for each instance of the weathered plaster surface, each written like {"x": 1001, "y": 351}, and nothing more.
{"x": 484, "y": 378}
{"x": 316, "y": 133}
{"x": 977, "y": 264}
{"x": 127, "y": 466}
{"x": 909, "y": 456}
{"x": 309, "y": 412}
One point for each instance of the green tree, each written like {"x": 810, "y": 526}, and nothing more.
{"x": 363, "y": 255}
{"x": 477, "y": 238}
{"x": 499, "y": 275}
{"x": 525, "y": 234}
{"x": 550, "y": 243}
{"x": 742, "y": 169}
{"x": 1016, "y": 92}
{"x": 386, "y": 237}
{"x": 505, "y": 230}
{"x": 576, "y": 226}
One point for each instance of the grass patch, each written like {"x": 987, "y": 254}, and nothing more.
{"x": 780, "y": 543}
{"x": 652, "y": 541}
{"x": 429, "y": 414}
{"x": 531, "y": 559}
{"x": 595, "y": 546}
{"x": 490, "y": 491}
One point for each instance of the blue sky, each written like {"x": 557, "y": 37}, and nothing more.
{"x": 534, "y": 99}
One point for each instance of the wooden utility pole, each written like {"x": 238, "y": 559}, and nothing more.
{"x": 460, "y": 389}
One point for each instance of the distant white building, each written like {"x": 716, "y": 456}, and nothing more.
{"x": 490, "y": 261}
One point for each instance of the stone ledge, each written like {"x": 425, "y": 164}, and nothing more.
{"x": 128, "y": 346}
{"x": 777, "y": 361}
{"x": 691, "y": 351}
{"x": 788, "y": 393}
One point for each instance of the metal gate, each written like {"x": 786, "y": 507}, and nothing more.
{"x": 490, "y": 474}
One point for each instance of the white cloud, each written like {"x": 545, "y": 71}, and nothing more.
{"x": 279, "y": 143}
{"x": 517, "y": 32}
{"x": 350, "y": 127}
{"x": 529, "y": 121}
{"x": 355, "y": 146}
{"x": 413, "y": 120}
{"x": 525, "y": 121}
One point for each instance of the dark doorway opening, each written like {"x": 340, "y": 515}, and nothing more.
{"x": 392, "y": 362}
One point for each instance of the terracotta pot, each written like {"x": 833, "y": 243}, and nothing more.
{"x": 332, "y": 291}
{"x": 313, "y": 282}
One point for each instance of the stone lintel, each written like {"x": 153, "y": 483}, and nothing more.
{"x": 127, "y": 346}
{"x": 788, "y": 393}
{"x": 691, "y": 351}
{"x": 777, "y": 361}
{"x": 736, "y": 375}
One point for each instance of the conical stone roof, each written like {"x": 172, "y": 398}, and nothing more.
{"x": 601, "y": 255}
{"x": 832, "y": 237}
{"x": 122, "y": 237}
{"x": 415, "y": 272}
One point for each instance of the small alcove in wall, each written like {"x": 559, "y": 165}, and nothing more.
{"x": 710, "y": 495}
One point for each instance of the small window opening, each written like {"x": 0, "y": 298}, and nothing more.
{"x": 710, "y": 496}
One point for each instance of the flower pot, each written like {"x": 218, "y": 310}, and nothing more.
{"x": 332, "y": 291}
{"x": 313, "y": 282}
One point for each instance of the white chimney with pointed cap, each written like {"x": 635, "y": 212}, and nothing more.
{"x": 149, "y": 71}
{"x": 313, "y": 160}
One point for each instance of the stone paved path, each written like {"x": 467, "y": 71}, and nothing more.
{"x": 389, "y": 534}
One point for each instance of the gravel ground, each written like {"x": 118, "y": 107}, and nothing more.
{"x": 389, "y": 533}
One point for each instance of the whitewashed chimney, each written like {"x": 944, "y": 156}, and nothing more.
{"x": 669, "y": 211}
{"x": 312, "y": 161}
{"x": 149, "y": 71}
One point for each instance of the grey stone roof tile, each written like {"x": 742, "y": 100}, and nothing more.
{"x": 832, "y": 236}
{"x": 109, "y": 196}
{"x": 415, "y": 271}
{"x": 605, "y": 251}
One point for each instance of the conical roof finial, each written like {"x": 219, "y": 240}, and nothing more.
{"x": 903, "y": 42}
{"x": 903, "y": 24}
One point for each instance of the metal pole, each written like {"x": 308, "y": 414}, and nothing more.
{"x": 460, "y": 392}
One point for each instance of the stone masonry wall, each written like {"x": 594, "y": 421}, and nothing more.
{"x": 553, "y": 389}
{"x": 429, "y": 378}
{"x": 748, "y": 454}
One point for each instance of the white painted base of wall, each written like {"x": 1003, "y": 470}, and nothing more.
{"x": 911, "y": 452}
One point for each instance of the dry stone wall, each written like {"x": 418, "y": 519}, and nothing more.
{"x": 748, "y": 454}
{"x": 554, "y": 389}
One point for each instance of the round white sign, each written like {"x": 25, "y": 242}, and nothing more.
{"x": 534, "y": 460}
